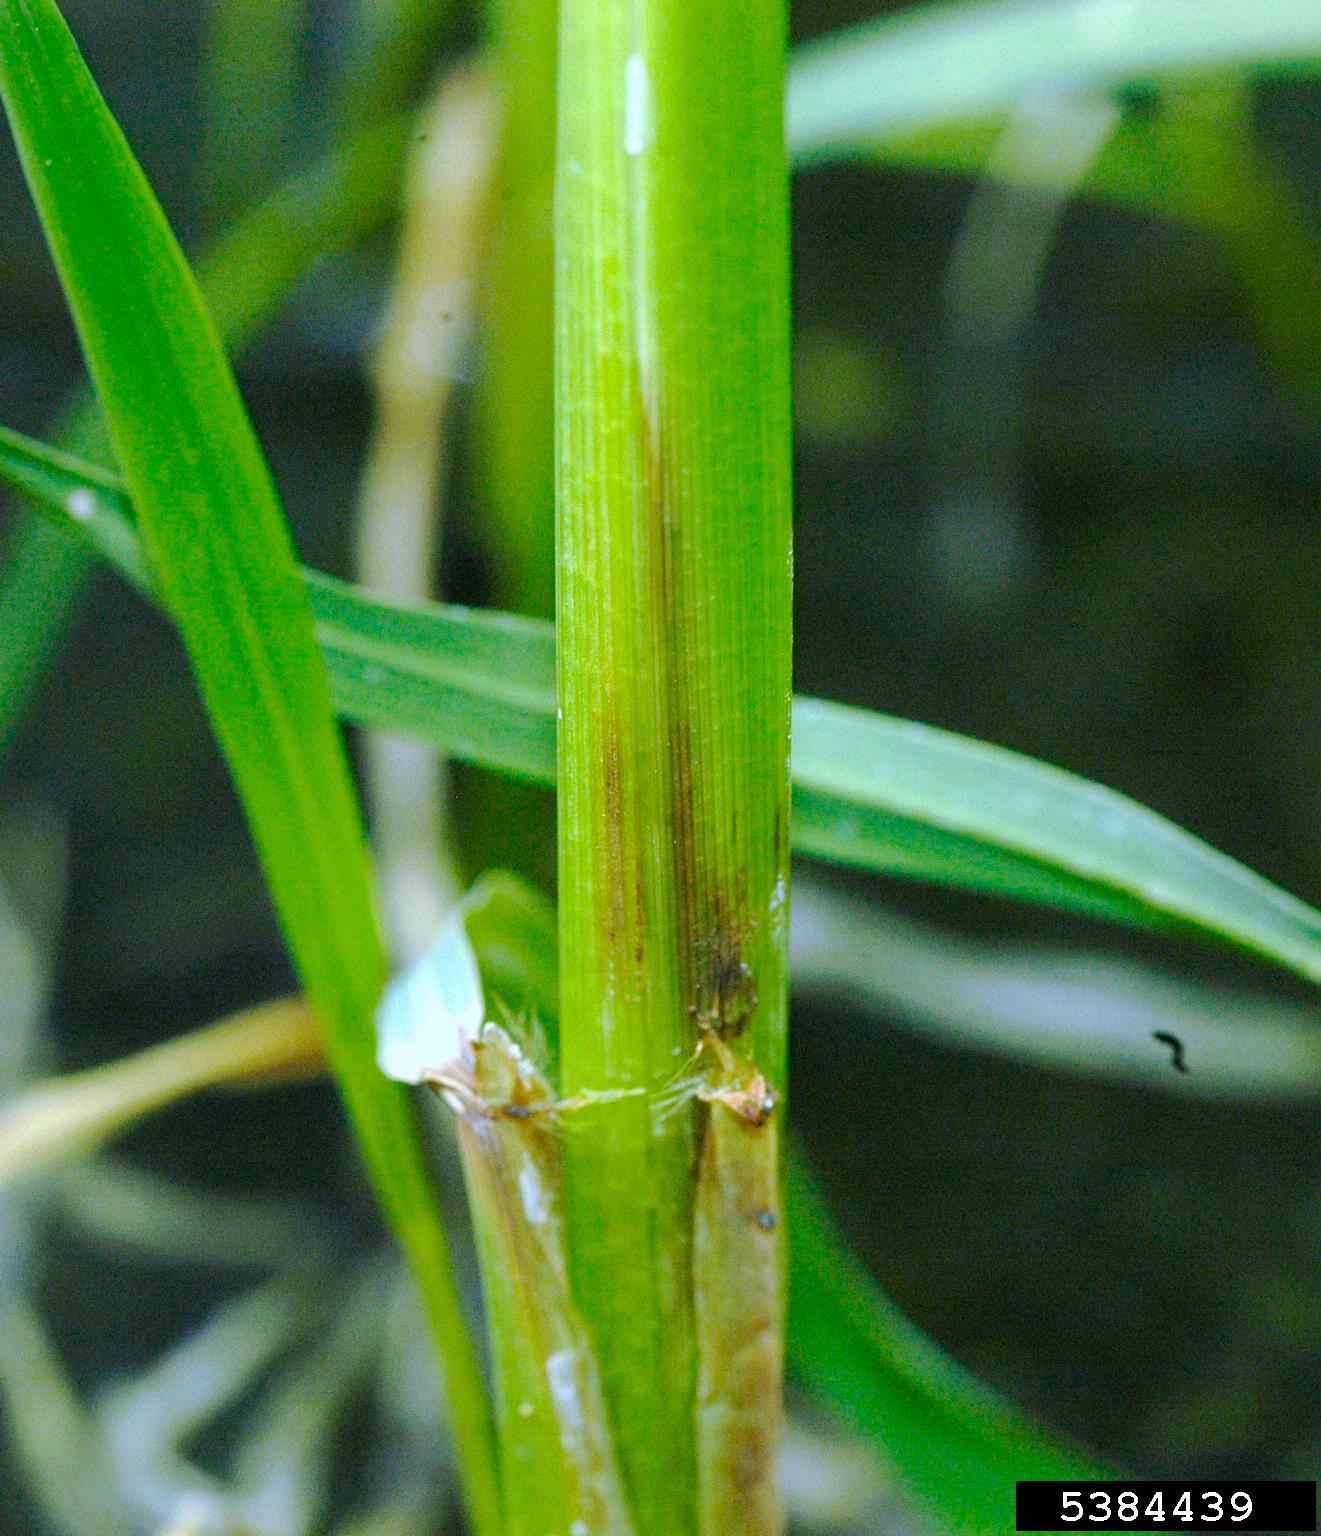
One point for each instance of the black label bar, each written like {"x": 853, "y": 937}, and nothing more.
{"x": 1166, "y": 1506}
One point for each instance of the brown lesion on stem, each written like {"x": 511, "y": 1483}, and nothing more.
{"x": 713, "y": 925}
{"x": 729, "y": 1079}
{"x": 738, "y": 1266}
{"x": 727, "y": 985}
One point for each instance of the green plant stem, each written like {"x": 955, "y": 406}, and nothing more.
{"x": 921, "y": 1413}
{"x": 673, "y": 614}
{"x": 516, "y": 388}
{"x": 560, "y": 1469}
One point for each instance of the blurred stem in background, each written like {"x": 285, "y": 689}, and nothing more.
{"x": 516, "y": 399}
{"x": 52, "y": 1431}
{"x": 979, "y": 537}
{"x": 505, "y": 822}
{"x": 251, "y": 83}
{"x": 67, "y": 1117}
{"x": 423, "y": 345}
{"x": 673, "y": 565}
{"x": 390, "y": 51}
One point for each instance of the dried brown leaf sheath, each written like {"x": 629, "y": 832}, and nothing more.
{"x": 509, "y": 1141}
{"x": 738, "y": 1289}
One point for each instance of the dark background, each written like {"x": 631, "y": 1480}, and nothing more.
{"x": 1124, "y": 583}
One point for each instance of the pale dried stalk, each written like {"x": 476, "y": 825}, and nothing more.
{"x": 422, "y": 349}
{"x": 509, "y": 1136}
{"x": 67, "y": 1117}
{"x": 738, "y": 1296}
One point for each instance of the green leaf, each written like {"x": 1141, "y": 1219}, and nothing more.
{"x": 893, "y": 795}
{"x": 934, "y": 64}
{"x": 480, "y": 684}
{"x": 223, "y": 563}
{"x": 956, "y": 1443}
{"x": 870, "y": 791}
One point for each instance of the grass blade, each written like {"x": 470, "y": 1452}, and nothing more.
{"x": 880, "y": 793}
{"x": 244, "y": 276}
{"x": 224, "y": 563}
{"x": 954, "y": 1441}
{"x": 940, "y": 63}
{"x": 870, "y": 791}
